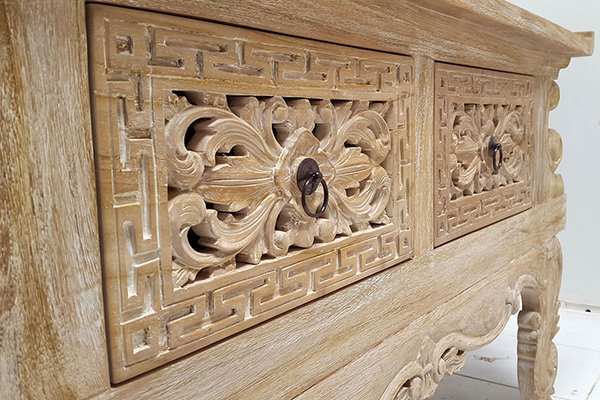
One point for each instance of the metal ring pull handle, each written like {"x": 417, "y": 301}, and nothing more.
{"x": 493, "y": 149}
{"x": 308, "y": 178}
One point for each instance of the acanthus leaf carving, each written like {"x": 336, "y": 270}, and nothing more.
{"x": 200, "y": 130}
{"x": 419, "y": 379}
{"x": 245, "y": 155}
{"x": 471, "y": 167}
{"x": 478, "y": 110}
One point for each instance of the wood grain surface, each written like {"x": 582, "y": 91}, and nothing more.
{"x": 422, "y": 150}
{"x": 288, "y": 355}
{"x": 52, "y": 334}
{"x": 52, "y": 340}
{"x": 495, "y": 35}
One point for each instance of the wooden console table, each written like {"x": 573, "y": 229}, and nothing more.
{"x": 276, "y": 200}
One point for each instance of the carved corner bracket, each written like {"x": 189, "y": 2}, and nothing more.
{"x": 556, "y": 186}
{"x": 199, "y": 132}
{"x": 419, "y": 379}
{"x": 538, "y": 324}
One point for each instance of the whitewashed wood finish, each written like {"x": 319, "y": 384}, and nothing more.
{"x": 189, "y": 142}
{"x": 52, "y": 337}
{"x": 50, "y": 261}
{"x": 356, "y": 340}
{"x": 495, "y": 34}
{"x": 423, "y": 172}
{"x": 472, "y": 106}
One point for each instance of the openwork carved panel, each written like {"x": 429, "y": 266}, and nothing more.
{"x": 483, "y": 148}
{"x": 200, "y": 130}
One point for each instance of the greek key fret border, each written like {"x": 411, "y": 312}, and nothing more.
{"x": 133, "y": 67}
{"x": 462, "y": 85}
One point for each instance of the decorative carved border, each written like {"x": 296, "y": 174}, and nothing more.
{"x": 472, "y": 105}
{"x": 555, "y": 184}
{"x": 141, "y": 63}
{"x": 419, "y": 379}
{"x": 537, "y": 291}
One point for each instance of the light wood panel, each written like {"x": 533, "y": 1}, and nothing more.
{"x": 496, "y": 35}
{"x": 421, "y": 192}
{"x": 52, "y": 341}
{"x": 303, "y": 347}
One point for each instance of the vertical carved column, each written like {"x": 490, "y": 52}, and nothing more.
{"x": 548, "y": 145}
{"x": 555, "y": 185}
{"x": 422, "y": 150}
{"x": 538, "y": 324}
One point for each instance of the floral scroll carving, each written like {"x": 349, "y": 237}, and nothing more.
{"x": 470, "y": 164}
{"x": 240, "y": 154}
{"x": 556, "y": 185}
{"x": 475, "y": 108}
{"x": 419, "y": 379}
{"x": 428, "y": 371}
{"x": 199, "y": 131}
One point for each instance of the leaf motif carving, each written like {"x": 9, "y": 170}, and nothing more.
{"x": 471, "y": 166}
{"x": 241, "y": 160}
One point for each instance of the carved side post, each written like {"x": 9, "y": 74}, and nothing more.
{"x": 52, "y": 339}
{"x": 538, "y": 324}
{"x": 538, "y": 320}
{"x": 421, "y": 153}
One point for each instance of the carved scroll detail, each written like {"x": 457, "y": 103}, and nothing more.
{"x": 538, "y": 324}
{"x": 419, "y": 379}
{"x": 199, "y": 130}
{"x": 537, "y": 291}
{"x": 472, "y": 106}
{"x": 470, "y": 165}
{"x": 246, "y": 155}
{"x": 556, "y": 186}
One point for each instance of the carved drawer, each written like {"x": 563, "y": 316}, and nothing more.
{"x": 483, "y": 148}
{"x": 199, "y": 132}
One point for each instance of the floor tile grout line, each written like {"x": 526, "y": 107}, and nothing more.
{"x": 587, "y": 397}
{"x": 577, "y": 347}
{"x": 486, "y": 381}
{"x": 510, "y": 335}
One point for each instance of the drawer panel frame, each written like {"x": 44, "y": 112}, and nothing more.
{"x": 471, "y": 105}
{"x": 138, "y": 61}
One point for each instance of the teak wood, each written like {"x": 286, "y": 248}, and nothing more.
{"x": 188, "y": 236}
{"x": 220, "y": 240}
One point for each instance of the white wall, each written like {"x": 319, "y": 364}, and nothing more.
{"x": 577, "y": 119}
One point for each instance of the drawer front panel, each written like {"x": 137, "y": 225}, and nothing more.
{"x": 472, "y": 106}
{"x": 199, "y": 130}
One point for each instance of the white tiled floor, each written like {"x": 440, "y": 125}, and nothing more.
{"x": 491, "y": 372}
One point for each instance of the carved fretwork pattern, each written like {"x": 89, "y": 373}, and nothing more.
{"x": 199, "y": 130}
{"x": 419, "y": 379}
{"x": 199, "y": 53}
{"x": 241, "y": 158}
{"x": 471, "y": 107}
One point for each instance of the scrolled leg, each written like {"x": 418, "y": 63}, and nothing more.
{"x": 538, "y": 324}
